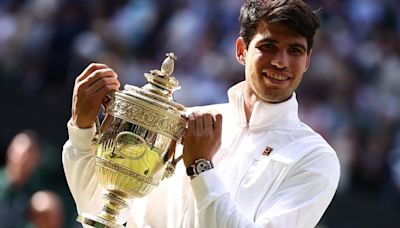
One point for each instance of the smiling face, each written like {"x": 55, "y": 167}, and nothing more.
{"x": 275, "y": 61}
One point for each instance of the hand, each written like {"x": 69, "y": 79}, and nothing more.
{"x": 202, "y": 138}
{"x": 90, "y": 91}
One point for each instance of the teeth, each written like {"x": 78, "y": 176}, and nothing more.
{"x": 276, "y": 76}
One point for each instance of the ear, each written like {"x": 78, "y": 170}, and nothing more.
{"x": 241, "y": 51}
{"x": 308, "y": 60}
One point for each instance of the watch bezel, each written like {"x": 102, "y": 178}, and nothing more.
{"x": 199, "y": 166}
{"x": 202, "y": 166}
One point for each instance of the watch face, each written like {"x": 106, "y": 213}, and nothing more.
{"x": 202, "y": 166}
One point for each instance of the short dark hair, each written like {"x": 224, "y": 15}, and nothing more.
{"x": 295, "y": 14}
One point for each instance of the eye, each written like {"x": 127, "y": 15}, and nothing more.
{"x": 296, "y": 51}
{"x": 267, "y": 47}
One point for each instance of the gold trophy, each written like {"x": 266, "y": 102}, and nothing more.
{"x": 135, "y": 142}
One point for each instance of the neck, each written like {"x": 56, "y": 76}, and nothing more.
{"x": 250, "y": 98}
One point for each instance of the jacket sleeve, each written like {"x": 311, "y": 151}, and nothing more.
{"x": 299, "y": 201}
{"x": 79, "y": 167}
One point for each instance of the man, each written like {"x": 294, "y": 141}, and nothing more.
{"x": 17, "y": 178}
{"x": 46, "y": 210}
{"x": 270, "y": 170}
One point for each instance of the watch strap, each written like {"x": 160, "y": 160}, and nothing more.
{"x": 190, "y": 171}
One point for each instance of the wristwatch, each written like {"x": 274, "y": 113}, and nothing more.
{"x": 199, "y": 166}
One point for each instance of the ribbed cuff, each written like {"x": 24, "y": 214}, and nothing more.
{"x": 207, "y": 187}
{"x": 81, "y": 139}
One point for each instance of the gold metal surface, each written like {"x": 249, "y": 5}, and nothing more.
{"x": 97, "y": 222}
{"x": 133, "y": 144}
{"x": 148, "y": 115}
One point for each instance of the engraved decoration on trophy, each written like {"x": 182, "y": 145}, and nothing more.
{"x": 134, "y": 144}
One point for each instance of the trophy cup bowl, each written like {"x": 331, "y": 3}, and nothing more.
{"x": 135, "y": 143}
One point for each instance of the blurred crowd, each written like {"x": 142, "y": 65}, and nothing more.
{"x": 350, "y": 94}
{"x": 22, "y": 205}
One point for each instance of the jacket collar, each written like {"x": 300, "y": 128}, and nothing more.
{"x": 264, "y": 115}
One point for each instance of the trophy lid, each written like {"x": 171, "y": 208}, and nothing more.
{"x": 160, "y": 87}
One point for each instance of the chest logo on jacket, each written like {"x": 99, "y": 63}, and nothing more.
{"x": 267, "y": 151}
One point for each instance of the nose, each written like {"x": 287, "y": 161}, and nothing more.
{"x": 280, "y": 60}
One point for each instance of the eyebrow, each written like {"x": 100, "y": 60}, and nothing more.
{"x": 293, "y": 45}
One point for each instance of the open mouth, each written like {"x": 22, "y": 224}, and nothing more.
{"x": 274, "y": 76}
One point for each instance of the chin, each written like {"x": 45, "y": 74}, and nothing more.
{"x": 275, "y": 98}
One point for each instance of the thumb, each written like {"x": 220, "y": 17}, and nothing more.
{"x": 106, "y": 101}
{"x": 170, "y": 152}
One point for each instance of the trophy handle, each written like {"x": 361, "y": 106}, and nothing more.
{"x": 177, "y": 159}
{"x": 97, "y": 134}
{"x": 170, "y": 169}
{"x": 171, "y": 164}
{"x": 103, "y": 112}
{"x": 133, "y": 143}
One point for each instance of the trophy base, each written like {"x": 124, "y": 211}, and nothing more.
{"x": 98, "y": 222}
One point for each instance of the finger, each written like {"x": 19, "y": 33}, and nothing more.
{"x": 105, "y": 90}
{"x": 208, "y": 121}
{"x": 218, "y": 125}
{"x": 171, "y": 151}
{"x": 172, "y": 146}
{"x": 199, "y": 122}
{"x": 191, "y": 124}
{"x": 98, "y": 84}
{"x": 106, "y": 101}
{"x": 90, "y": 69}
{"x": 99, "y": 75}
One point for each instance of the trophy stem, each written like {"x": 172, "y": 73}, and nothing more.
{"x": 114, "y": 203}
{"x": 107, "y": 218}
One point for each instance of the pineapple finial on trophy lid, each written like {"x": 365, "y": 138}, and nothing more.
{"x": 162, "y": 82}
{"x": 169, "y": 64}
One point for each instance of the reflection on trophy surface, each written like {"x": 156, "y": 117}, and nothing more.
{"x": 135, "y": 141}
